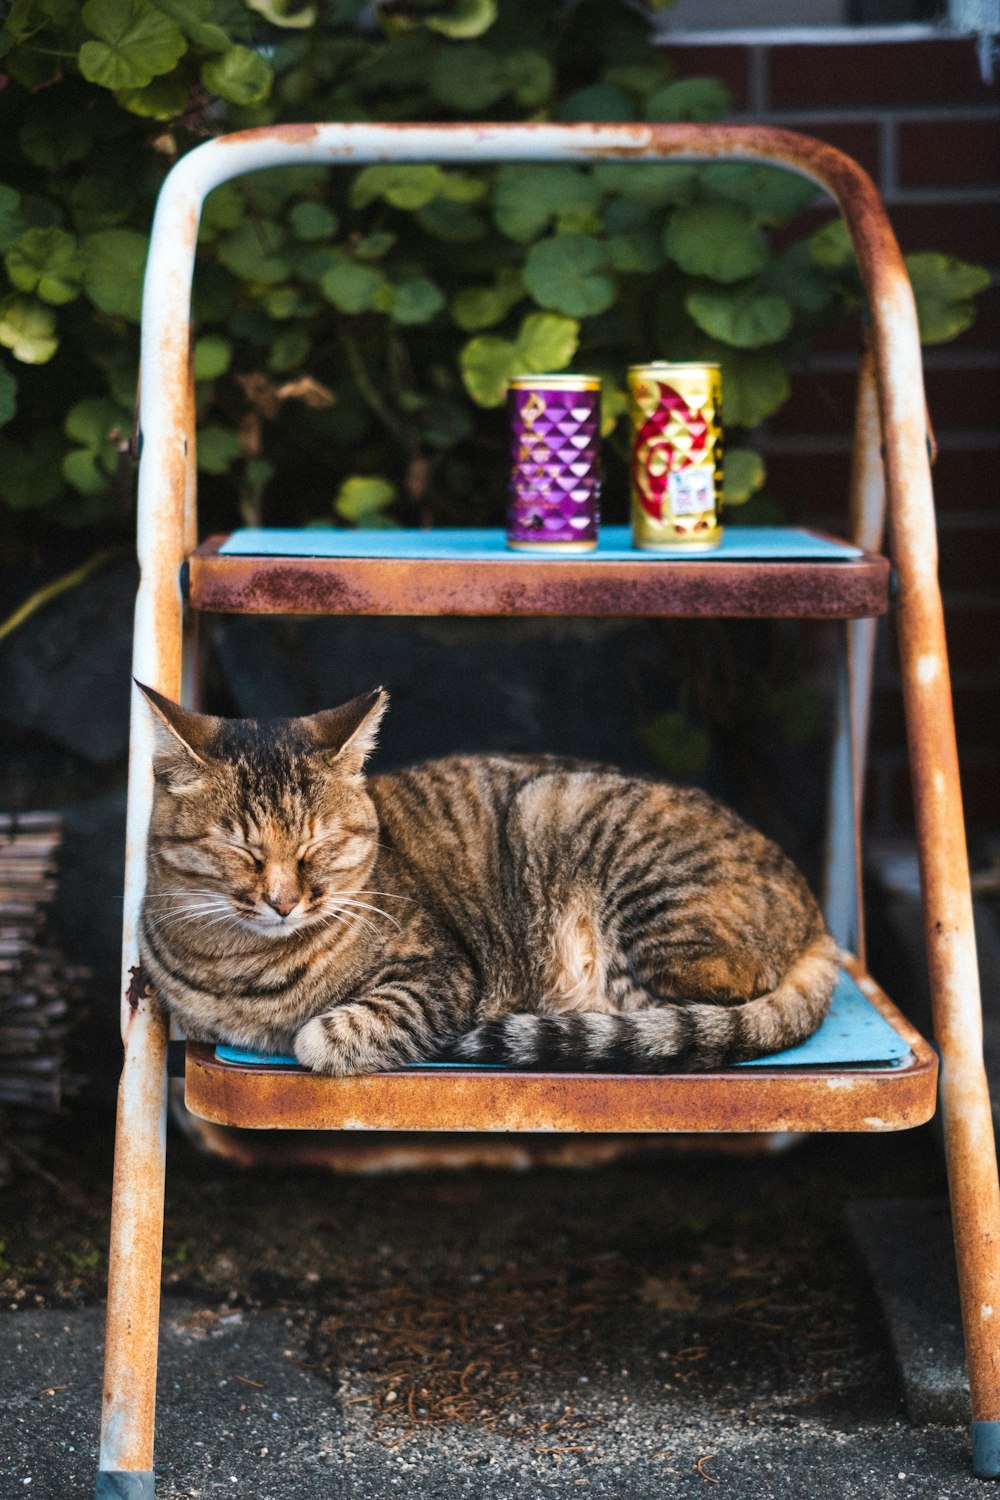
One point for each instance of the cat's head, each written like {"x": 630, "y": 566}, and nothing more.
{"x": 262, "y": 825}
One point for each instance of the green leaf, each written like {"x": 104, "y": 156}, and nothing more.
{"x": 831, "y": 246}
{"x": 747, "y": 318}
{"x": 944, "y": 288}
{"x": 136, "y": 43}
{"x": 12, "y": 224}
{"x": 599, "y": 101}
{"x": 454, "y": 222}
{"x": 97, "y": 424}
{"x": 193, "y": 18}
{"x": 483, "y": 306}
{"x": 719, "y": 240}
{"x": 48, "y": 263}
{"x": 565, "y": 274}
{"x": 547, "y": 341}
{"x": 8, "y": 395}
{"x": 530, "y": 76}
{"x": 54, "y": 142}
{"x": 253, "y": 251}
{"x": 289, "y": 351}
{"x": 402, "y": 186}
{"x": 351, "y": 288}
{"x": 468, "y": 79}
{"x": 464, "y": 18}
{"x": 276, "y": 12}
{"x": 655, "y": 184}
{"x": 744, "y": 473}
{"x": 674, "y": 744}
{"x": 525, "y": 199}
{"x": 754, "y": 386}
{"x": 80, "y": 468}
{"x": 770, "y": 192}
{"x": 27, "y": 329}
{"x": 697, "y": 99}
{"x": 363, "y": 496}
{"x": 487, "y": 363}
{"x": 638, "y": 251}
{"x": 225, "y": 208}
{"x": 240, "y": 75}
{"x": 114, "y": 261}
{"x": 218, "y": 449}
{"x": 31, "y": 476}
{"x": 312, "y": 221}
{"x": 417, "y": 301}
{"x": 212, "y": 357}
{"x": 160, "y": 100}
{"x": 373, "y": 246}
{"x": 462, "y": 187}
{"x": 796, "y": 276}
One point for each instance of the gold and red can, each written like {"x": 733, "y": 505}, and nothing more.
{"x": 676, "y": 462}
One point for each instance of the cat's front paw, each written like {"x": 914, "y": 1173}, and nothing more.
{"x": 344, "y": 1042}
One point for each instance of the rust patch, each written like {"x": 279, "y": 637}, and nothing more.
{"x": 138, "y": 988}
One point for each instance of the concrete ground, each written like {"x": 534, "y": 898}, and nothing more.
{"x": 667, "y": 1326}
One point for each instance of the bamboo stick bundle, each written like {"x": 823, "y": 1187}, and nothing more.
{"x": 37, "y": 986}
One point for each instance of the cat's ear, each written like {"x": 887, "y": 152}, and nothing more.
{"x": 349, "y": 732}
{"x": 183, "y": 740}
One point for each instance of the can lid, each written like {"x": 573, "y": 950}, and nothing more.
{"x": 554, "y": 382}
{"x": 666, "y": 364}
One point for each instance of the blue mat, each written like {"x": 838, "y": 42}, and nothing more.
{"x": 854, "y": 1034}
{"x": 739, "y": 543}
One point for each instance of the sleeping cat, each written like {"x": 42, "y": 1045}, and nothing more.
{"x": 523, "y": 910}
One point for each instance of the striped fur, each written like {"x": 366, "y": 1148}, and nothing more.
{"x": 532, "y": 911}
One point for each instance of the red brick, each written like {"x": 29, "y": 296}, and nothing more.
{"x": 949, "y": 153}
{"x": 985, "y": 331}
{"x": 966, "y": 479}
{"x": 730, "y": 65}
{"x": 822, "y": 401}
{"x": 810, "y": 485}
{"x": 898, "y": 73}
{"x": 856, "y": 138}
{"x": 963, "y": 396}
{"x": 975, "y": 711}
{"x": 973, "y": 639}
{"x": 980, "y": 774}
{"x": 969, "y": 230}
{"x": 969, "y": 559}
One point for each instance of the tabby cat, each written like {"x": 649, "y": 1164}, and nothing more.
{"x": 523, "y": 910}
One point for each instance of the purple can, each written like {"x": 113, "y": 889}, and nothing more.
{"x": 555, "y": 468}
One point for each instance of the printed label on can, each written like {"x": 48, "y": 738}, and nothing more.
{"x": 691, "y": 491}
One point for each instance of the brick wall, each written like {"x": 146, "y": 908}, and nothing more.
{"x": 919, "y": 118}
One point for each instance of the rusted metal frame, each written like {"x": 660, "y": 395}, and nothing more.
{"x": 513, "y": 586}
{"x": 166, "y": 526}
{"x": 843, "y": 886}
{"x": 948, "y": 914}
{"x": 947, "y": 900}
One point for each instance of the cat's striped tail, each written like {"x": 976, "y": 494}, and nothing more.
{"x": 666, "y": 1037}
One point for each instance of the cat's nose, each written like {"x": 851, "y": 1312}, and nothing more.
{"x": 280, "y": 905}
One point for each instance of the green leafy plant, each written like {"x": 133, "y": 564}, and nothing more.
{"x": 355, "y": 329}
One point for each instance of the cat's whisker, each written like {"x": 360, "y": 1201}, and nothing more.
{"x": 366, "y": 906}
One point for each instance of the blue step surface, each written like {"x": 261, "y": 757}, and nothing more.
{"x": 739, "y": 543}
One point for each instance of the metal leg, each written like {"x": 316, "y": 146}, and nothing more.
{"x": 126, "y": 1457}
{"x": 986, "y": 1450}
